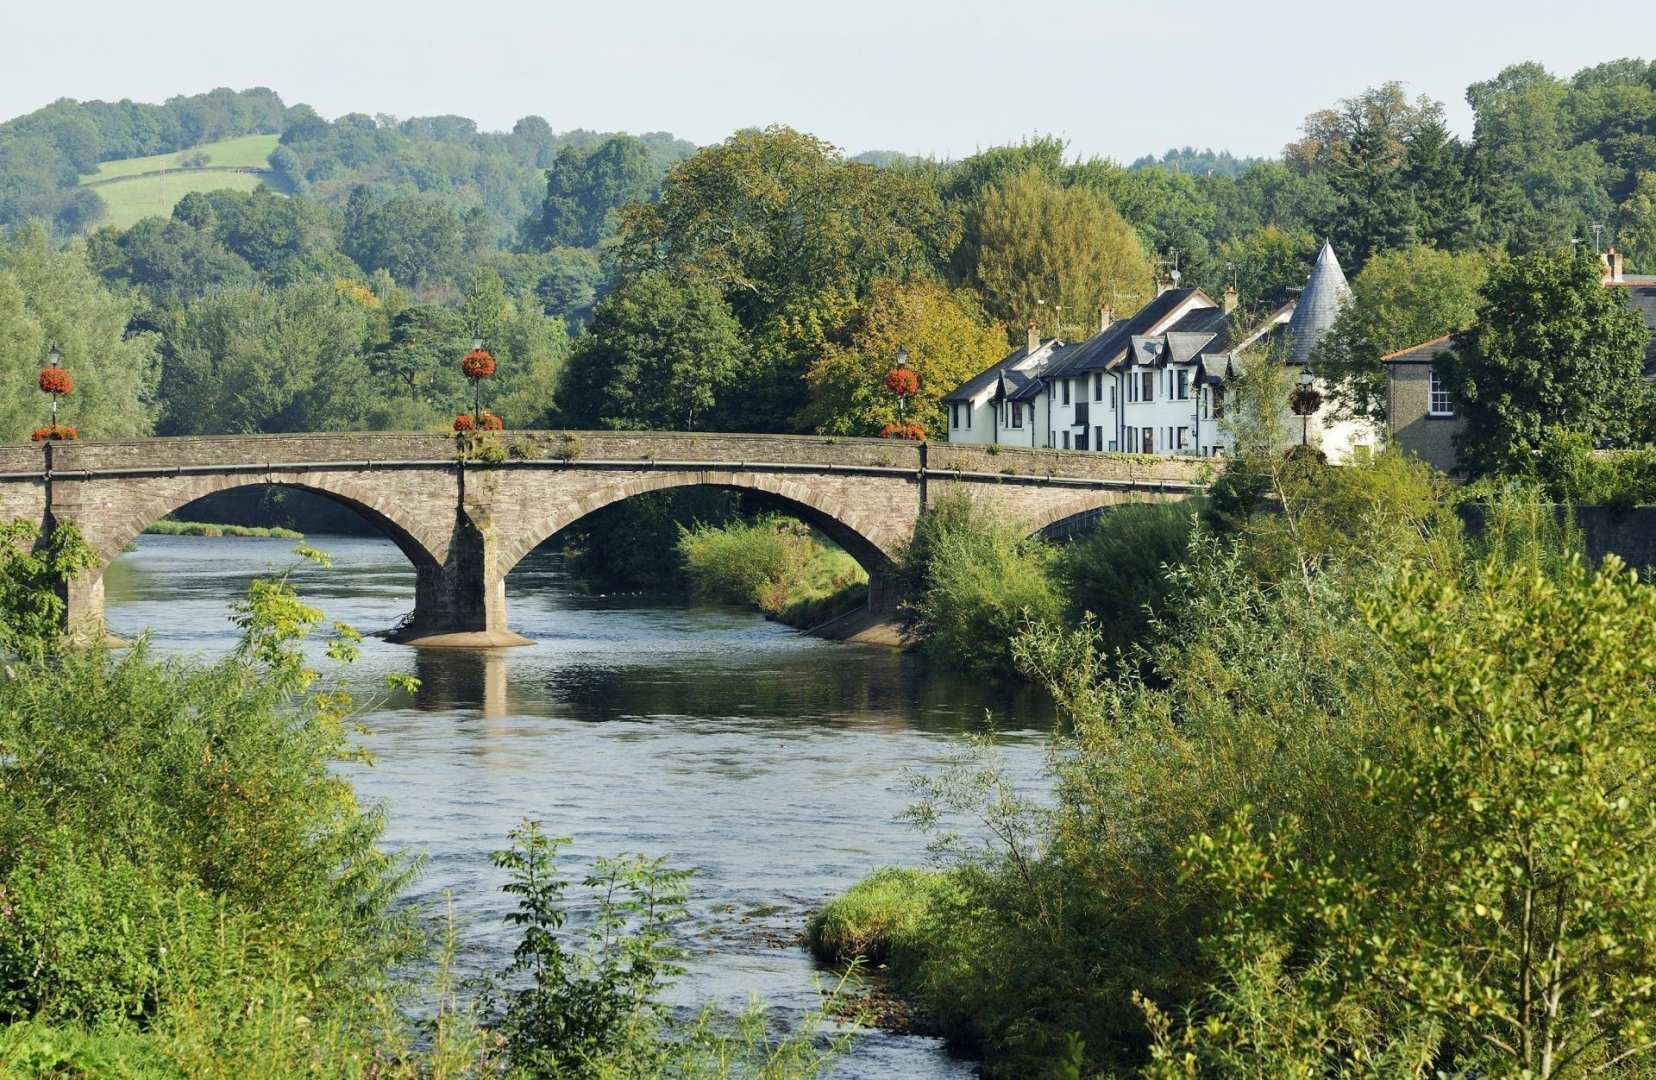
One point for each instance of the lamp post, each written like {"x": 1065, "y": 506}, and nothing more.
{"x": 54, "y": 361}
{"x": 1304, "y": 401}
{"x": 902, "y": 400}
{"x": 477, "y": 366}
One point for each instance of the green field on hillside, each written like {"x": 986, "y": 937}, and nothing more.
{"x": 130, "y": 201}
{"x": 246, "y": 151}
{"x": 130, "y": 195}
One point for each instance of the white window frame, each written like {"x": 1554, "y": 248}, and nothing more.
{"x": 1436, "y": 391}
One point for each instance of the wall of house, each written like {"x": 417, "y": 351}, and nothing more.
{"x": 1413, "y": 429}
{"x": 977, "y": 424}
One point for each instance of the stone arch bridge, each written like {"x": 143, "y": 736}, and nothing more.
{"x": 465, "y": 521}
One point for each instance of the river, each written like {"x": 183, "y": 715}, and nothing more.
{"x": 772, "y": 764}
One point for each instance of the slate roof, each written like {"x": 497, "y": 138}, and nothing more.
{"x": 1325, "y": 293}
{"x": 990, "y": 375}
{"x": 1097, "y": 352}
{"x": 1424, "y": 353}
{"x": 1641, "y": 293}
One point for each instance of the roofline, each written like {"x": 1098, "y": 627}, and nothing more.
{"x": 1435, "y": 341}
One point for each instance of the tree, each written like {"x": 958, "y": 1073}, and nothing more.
{"x": 422, "y": 356}
{"x": 657, "y": 355}
{"x": 417, "y": 238}
{"x": 1267, "y": 265}
{"x": 583, "y": 189}
{"x": 948, "y": 339}
{"x": 1551, "y": 346}
{"x": 1400, "y": 299}
{"x": 1042, "y": 247}
{"x": 1637, "y": 232}
{"x": 266, "y": 360}
{"x": 49, "y": 296}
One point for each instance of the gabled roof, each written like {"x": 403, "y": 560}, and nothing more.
{"x": 1102, "y": 349}
{"x": 990, "y": 376}
{"x": 1326, "y": 291}
{"x": 1183, "y": 346}
{"x": 1424, "y": 353}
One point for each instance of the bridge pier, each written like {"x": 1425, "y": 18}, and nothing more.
{"x": 461, "y": 602}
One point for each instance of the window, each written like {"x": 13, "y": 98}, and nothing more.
{"x": 1098, "y": 438}
{"x": 1182, "y": 388}
{"x": 968, "y": 416}
{"x": 1112, "y": 446}
{"x": 1183, "y": 439}
{"x": 1065, "y": 383}
{"x": 1149, "y": 440}
{"x": 1066, "y": 440}
{"x": 1098, "y": 386}
{"x": 1132, "y": 387}
{"x": 1440, "y": 405}
{"x": 1112, "y": 395}
{"x": 1149, "y": 393}
{"x": 1017, "y": 414}
{"x": 1132, "y": 438}
{"x": 1081, "y": 439}
{"x": 954, "y": 414}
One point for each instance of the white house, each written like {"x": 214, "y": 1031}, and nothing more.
{"x": 1152, "y": 383}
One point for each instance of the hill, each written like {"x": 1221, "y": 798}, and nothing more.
{"x": 139, "y": 187}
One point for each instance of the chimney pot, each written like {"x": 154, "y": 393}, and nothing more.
{"x": 1034, "y": 339}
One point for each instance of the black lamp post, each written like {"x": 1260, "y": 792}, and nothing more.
{"x": 1304, "y": 401}
{"x": 902, "y": 364}
{"x": 54, "y": 358}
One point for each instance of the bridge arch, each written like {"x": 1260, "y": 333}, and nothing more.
{"x": 873, "y": 544}
{"x": 423, "y": 542}
{"x": 1052, "y": 521}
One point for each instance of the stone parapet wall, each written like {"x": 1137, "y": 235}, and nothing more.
{"x": 1136, "y": 469}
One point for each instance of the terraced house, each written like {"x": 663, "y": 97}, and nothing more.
{"x": 1154, "y": 382}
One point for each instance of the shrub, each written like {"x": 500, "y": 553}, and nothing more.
{"x": 1118, "y": 571}
{"x": 972, "y": 582}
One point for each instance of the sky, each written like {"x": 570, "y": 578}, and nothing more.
{"x": 1117, "y": 78}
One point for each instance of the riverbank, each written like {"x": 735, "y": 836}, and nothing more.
{"x": 168, "y": 527}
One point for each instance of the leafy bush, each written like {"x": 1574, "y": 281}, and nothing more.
{"x": 775, "y": 564}
{"x": 1117, "y": 571}
{"x": 1570, "y": 471}
{"x": 971, "y": 583}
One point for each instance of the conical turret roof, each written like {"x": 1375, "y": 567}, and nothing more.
{"x": 1326, "y": 292}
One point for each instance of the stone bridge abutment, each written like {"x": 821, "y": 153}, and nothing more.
{"x": 465, "y": 520}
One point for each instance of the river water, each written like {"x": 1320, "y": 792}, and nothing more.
{"x": 774, "y": 765}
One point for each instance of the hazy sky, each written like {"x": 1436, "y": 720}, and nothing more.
{"x": 1115, "y": 77}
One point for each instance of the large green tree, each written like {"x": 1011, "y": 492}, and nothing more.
{"x": 1042, "y": 247}
{"x": 1551, "y": 347}
{"x": 52, "y": 295}
{"x": 658, "y": 355}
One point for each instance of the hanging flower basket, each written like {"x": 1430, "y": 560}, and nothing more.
{"x": 902, "y": 382}
{"x": 1305, "y": 400}
{"x": 478, "y": 364}
{"x": 464, "y": 423}
{"x": 491, "y": 422}
{"x": 53, "y": 433}
{"x": 56, "y": 381}
{"x": 912, "y": 432}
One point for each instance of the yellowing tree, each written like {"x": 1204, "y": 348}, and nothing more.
{"x": 1068, "y": 247}
{"x": 948, "y": 338}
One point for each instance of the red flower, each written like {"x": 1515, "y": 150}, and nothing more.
{"x": 902, "y": 382}
{"x": 478, "y": 364}
{"x": 55, "y": 380}
{"x": 491, "y": 422}
{"x": 912, "y": 432}
{"x": 464, "y": 422}
{"x": 53, "y": 433}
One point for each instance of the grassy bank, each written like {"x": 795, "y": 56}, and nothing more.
{"x": 785, "y": 569}
{"x": 168, "y": 527}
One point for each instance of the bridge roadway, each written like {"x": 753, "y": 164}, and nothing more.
{"x": 464, "y": 522}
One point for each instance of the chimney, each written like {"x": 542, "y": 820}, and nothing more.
{"x": 1230, "y": 299}
{"x": 1615, "y": 260}
{"x": 1104, "y": 317}
{"x": 1034, "y": 340}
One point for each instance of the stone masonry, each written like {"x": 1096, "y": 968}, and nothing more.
{"x": 464, "y": 520}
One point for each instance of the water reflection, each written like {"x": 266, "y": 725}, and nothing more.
{"x": 773, "y": 764}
